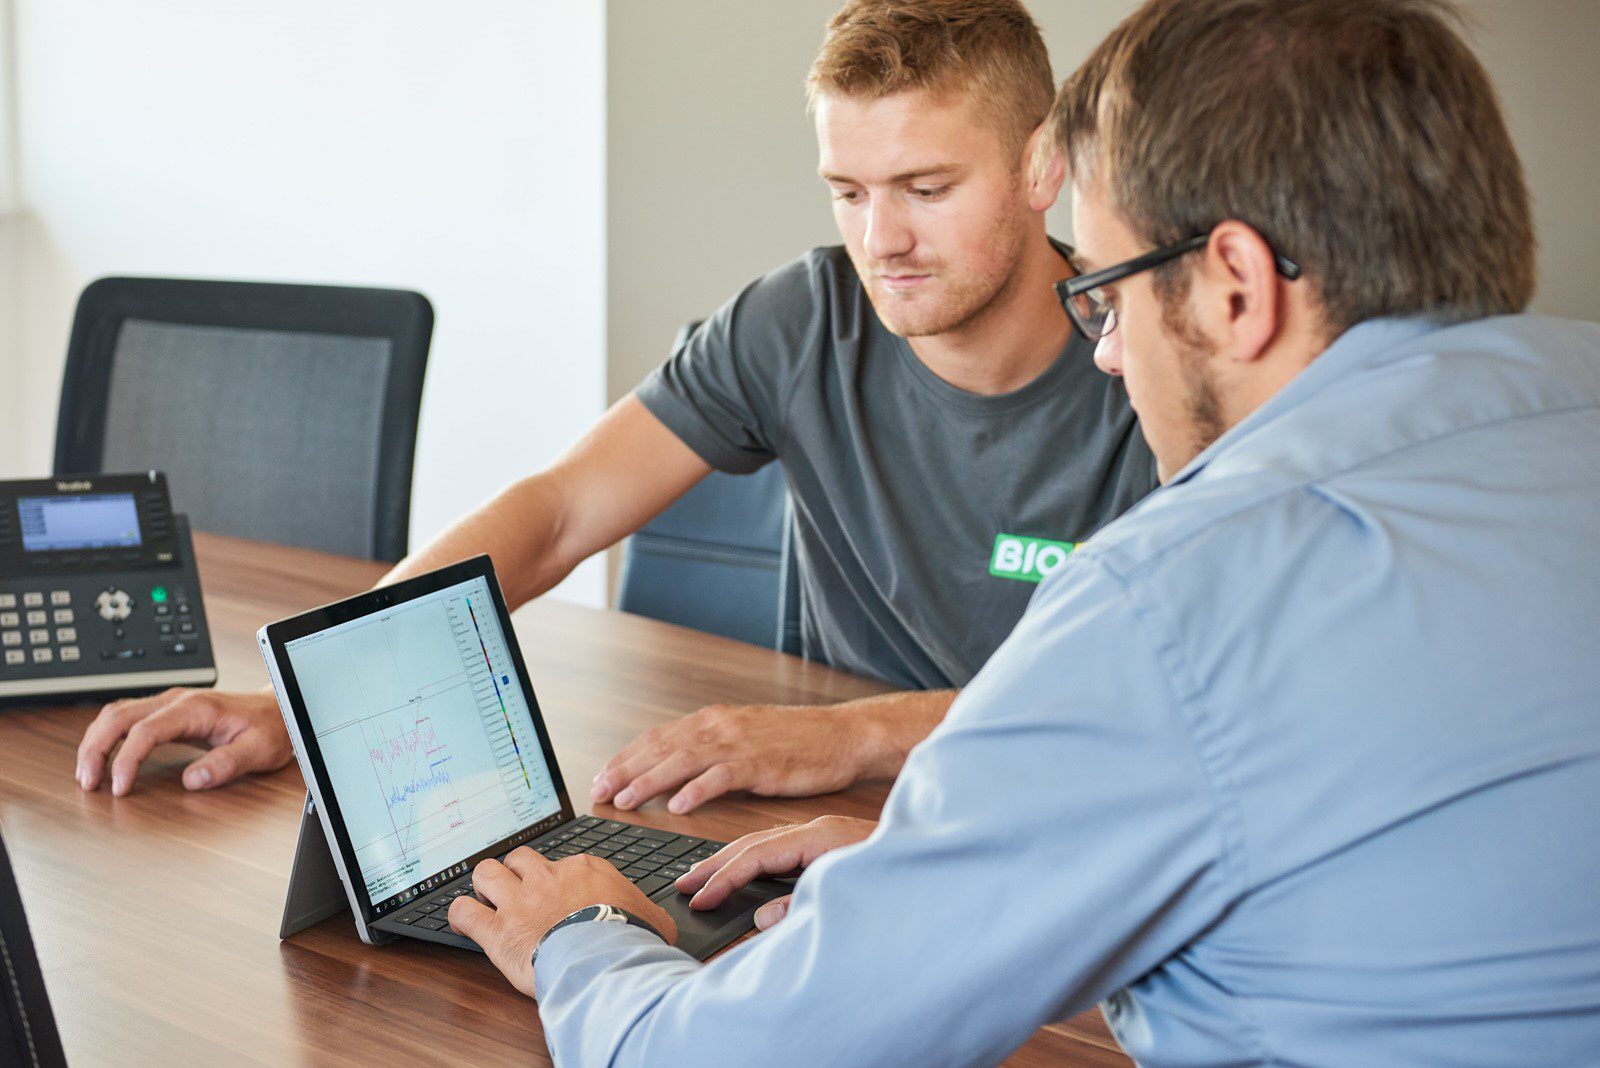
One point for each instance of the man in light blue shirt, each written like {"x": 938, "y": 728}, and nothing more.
{"x": 1299, "y": 761}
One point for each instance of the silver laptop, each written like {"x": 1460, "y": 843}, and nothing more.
{"x": 424, "y": 752}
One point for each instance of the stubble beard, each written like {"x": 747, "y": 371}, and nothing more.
{"x": 966, "y": 298}
{"x": 1202, "y": 404}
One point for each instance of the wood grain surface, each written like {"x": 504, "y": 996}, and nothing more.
{"x": 156, "y": 914}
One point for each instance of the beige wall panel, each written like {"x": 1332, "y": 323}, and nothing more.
{"x": 712, "y": 161}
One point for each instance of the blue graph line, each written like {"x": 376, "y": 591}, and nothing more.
{"x": 437, "y": 776}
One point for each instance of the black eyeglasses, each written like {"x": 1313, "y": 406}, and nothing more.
{"x": 1088, "y": 304}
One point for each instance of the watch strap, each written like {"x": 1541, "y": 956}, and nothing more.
{"x": 593, "y": 914}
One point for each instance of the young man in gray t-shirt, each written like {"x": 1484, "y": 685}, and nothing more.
{"x": 944, "y": 437}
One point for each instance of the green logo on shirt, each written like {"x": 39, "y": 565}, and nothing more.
{"x": 1027, "y": 559}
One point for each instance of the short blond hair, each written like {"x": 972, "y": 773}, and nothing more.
{"x": 988, "y": 49}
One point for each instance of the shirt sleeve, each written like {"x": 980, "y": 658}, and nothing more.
{"x": 723, "y": 393}
{"x": 1054, "y": 840}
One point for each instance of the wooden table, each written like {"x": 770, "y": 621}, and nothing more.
{"x": 156, "y": 914}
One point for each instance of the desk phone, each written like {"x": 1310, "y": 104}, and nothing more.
{"x": 99, "y": 594}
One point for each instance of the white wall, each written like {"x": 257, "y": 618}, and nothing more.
{"x": 408, "y": 143}
{"x": 10, "y": 371}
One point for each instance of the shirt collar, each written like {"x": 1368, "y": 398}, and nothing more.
{"x": 1358, "y": 347}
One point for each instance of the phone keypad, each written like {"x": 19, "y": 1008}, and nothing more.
{"x": 36, "y": 644}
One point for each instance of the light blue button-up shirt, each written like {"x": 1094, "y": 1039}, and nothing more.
{"x": 1296, "y": 763}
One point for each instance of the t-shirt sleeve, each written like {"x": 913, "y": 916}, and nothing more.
{"x": 724, "y": 393}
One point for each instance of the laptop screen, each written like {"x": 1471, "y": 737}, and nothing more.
{"x": 427, "y": 739}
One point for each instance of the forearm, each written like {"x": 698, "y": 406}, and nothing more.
{"x": 624, "y": 471}
{"x": 521, "y": 528}
{"x": 906, "y": 948}
{"x": 886, "y": 727}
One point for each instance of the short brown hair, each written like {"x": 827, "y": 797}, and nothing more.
{"x": 1360, "y": 138}
{"x": 988, "y": 48}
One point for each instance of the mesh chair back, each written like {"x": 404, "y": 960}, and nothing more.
{"x": 284, "y": 413}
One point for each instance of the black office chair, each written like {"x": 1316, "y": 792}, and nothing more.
{"x": 28, "y": 1034}
{"x": 720, "y": 559}
{"x": 286, "y": 413}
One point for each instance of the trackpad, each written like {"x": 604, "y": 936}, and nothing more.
{"x": 701, "y": 934}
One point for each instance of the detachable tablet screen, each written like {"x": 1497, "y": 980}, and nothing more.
{"x": 418, "y": 715}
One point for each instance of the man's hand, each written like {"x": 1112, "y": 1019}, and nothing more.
{"x": 244, "y": 732}
{"x": 780, "y": 851}
{"x": 528, "y": 895}
{"x": 769, "y": 749}
{"x": 775, "y": 750}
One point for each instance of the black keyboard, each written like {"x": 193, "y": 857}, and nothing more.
{"x": 652, "y": 860}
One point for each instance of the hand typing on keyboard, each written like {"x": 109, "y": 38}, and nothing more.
{"x": 514, "y": 903}
{"x": 650, "y": 858}
{"x": 781, "y": 851}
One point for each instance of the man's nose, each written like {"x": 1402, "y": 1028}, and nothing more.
{"x": 1108, "y": 354}
{"x": 887, "y": 235}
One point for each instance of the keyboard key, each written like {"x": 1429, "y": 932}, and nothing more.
{"x": 647, "y": 864}
{"x": 635, "y": 873}
{"x": 616, "y": 862}
{"x": 61, "y": 617}
{"x": 69, "y": 653}
{"x": 590, "y": 821}
{"x": 43, "y": 656}
{"x": 11, "y": 637}
{"x": 8, "y": 600}
{"x": 60, "y": 597}
{"x": 678, "y": 848}
{"x": 612, "y": 826}
{"x": 660, "y": 836}
{"x": 66, "y": 635}
{"x": 652, "y": 883}
{"x": 10, "y": 619}
{"x": 37, "y": 619}
{"x": 432, "y": 923}
{"x": 15, "y": 657}
{"x": 409, "y": 917}
{"x": 33, "y": 600}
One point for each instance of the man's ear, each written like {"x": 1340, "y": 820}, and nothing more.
{"x": 1046, "y": 169}
{"x": 1244, "y": 307}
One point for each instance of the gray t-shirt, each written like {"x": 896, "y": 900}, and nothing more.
{"x": 918, "y": 506}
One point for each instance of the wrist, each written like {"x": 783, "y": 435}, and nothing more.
{"x": 882, "y": 742}
{"x": 592, "y": 914}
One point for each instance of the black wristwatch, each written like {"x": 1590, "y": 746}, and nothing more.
{"x": 594, "y": 914}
